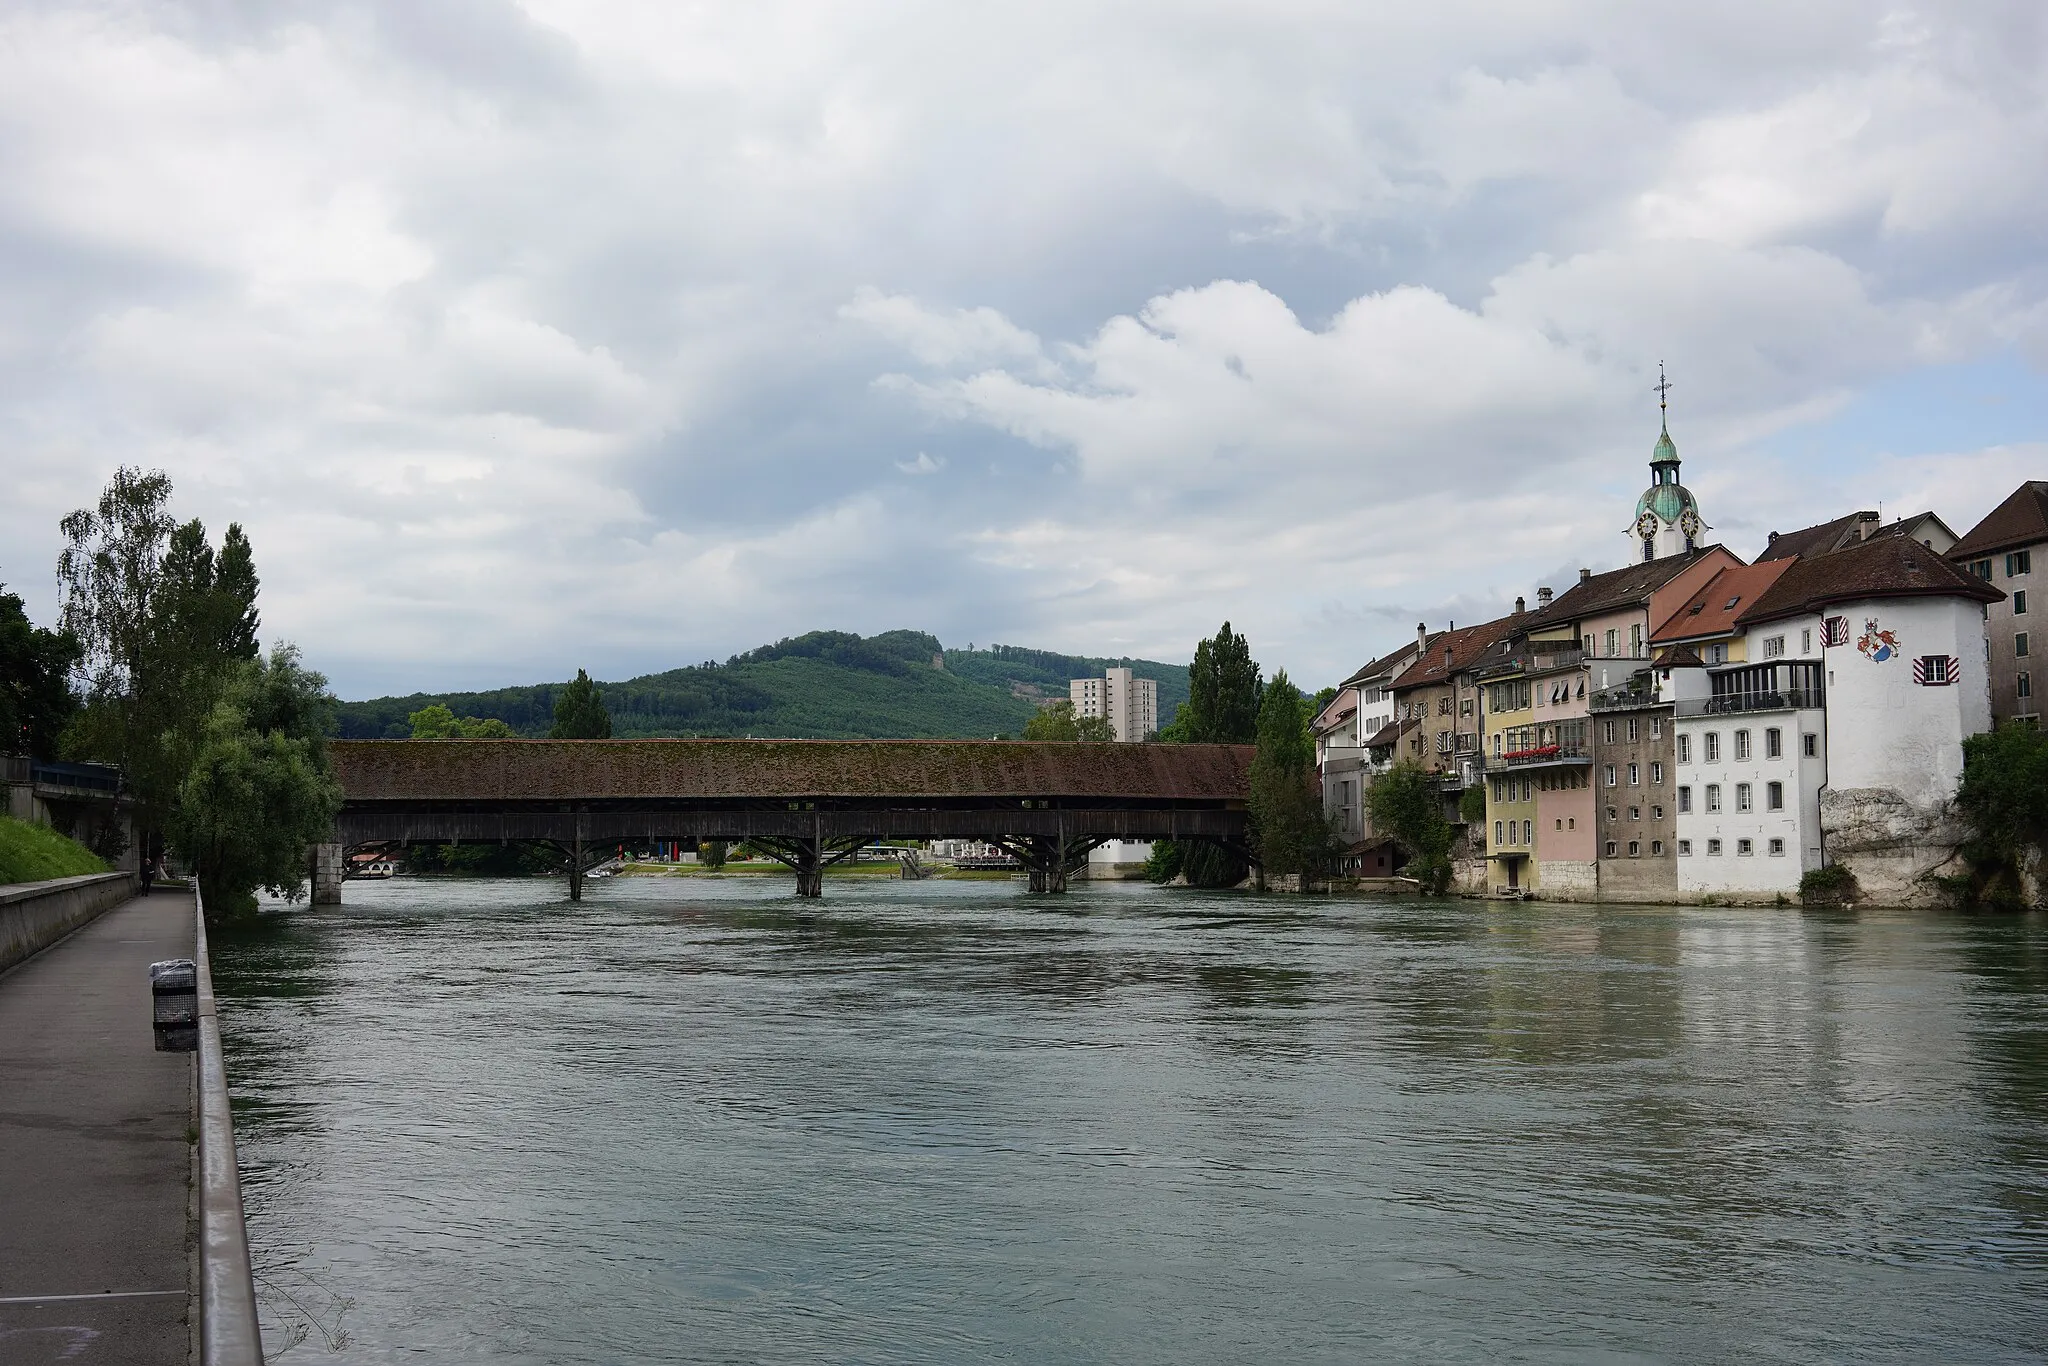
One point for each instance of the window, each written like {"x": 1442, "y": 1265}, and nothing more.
{"x": 1777, "y": 848}
{"x": 1982, "y": 569}
{"x": 1713, "y": 796}
{"x": 1744, "y": 848}
{"x": 1610, "y": 775}
{"x": 1613, "y": 812}
{"x": 1774, "y": 647}
{"x": 1571, "y": 822}
{"x": 1684, "y": 799}
{"x": 1812, "y": 743}
{"x": 1741, "y": 744}
{"x": 1635, "y": 775}
{"x": 1685, "y": 749}
{"x": 1774, "y": 743}
{"x": 1443, "y": 706}
{"x": 1656, "y": 773}
{"x": 1560, "y": 825}
{"x": 1713, "y": 746}
{"x": 1528, "y": 832}
{"x": 1635, "y": 641}
{"x": 1742, "y": 797}
{"x": 1656, "y": 728}
{"x": 1656, "y": 813}
{"x": 1656, "y": 847}
{"x": 1528, "y": 789}
{"x": 1606, "y": 732}
{"x": 2019, "y": 602}
{"x": 1635, "y": 813}
{"x": 1685, "y": 848}
{"x": 1806, "y": 641}
{"x": 2026, "y": 685}
{"x": 1713, "y": 847}
{"x": 1589, "y": 645}
{"x": 1774, "y": 796}
{"x": 2019, "y": 645}
{"x": 1496, "y": 832}
{"x": 1717, "y": 654}
{"x": 1609, "y": 848}
{"x": 1611, "y": 637}
{"x": 2018, "y": 563}
{"x": 1635, "y": 730}
{"x": 1936, "y": 671}
{"x": 1835, "y": 630}
{"x": 1635, "y": 848}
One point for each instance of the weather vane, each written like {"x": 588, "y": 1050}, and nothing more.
{"x": 1662, "y": 388}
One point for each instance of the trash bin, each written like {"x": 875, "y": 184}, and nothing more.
{"x": 174, "y": 995}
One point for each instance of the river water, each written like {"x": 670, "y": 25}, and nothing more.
{"x": 697, "y": 1120}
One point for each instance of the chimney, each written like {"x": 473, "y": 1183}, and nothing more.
{"x": 1543, "y": 597}
{"x": 1519, "y": 605}
{"x": 1584, "y": 573}
{"x": 1421, "y": 636}
{"x": 1774, "y": 538}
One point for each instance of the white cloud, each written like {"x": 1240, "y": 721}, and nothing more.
{"x": 923, "y": 464}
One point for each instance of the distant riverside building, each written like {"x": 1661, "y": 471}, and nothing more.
{"x": 1130, "y": 703}
{"x": 2000, "y": 551}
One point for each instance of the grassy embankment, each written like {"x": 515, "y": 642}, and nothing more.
{"x": 33, "y": 853}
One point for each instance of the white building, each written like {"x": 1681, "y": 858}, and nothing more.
{"x": 1130, "y": 703}
{"x": 1132, "y": 706}
{"x": 1826, "y": 724}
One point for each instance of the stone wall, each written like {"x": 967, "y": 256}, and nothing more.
{"x": 35, "y": 915}
{"x": 1567, "y": 880}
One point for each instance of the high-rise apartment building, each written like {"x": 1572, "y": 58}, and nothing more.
{"x": 1131, "y": 704}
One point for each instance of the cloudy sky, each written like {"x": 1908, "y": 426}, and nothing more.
{"x": 629, "y": 334}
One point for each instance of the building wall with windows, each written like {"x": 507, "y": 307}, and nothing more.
{"x": 1635, "y": 820}
{"x": 2018, "y": 650}
{"x": 1907, "y": 682}
{"x": 1130, "y": 703}
{"x": 1747, "y": 798}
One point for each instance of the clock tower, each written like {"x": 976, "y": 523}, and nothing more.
{"x": 1667, "y": 516}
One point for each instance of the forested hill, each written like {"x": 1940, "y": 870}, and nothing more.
{"x": 827, "y": 685}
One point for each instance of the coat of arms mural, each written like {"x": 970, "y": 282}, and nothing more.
{"x": 1877, "y": 644}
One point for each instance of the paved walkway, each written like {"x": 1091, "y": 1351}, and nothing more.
{"x": 94, "y": 1149}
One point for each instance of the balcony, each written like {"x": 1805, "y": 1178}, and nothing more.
{"x": 1734, "y": 704}
{"x": 1545, "y": 754}
{"x": 1563, "y": 657}
{"x": 1621, "y": 699}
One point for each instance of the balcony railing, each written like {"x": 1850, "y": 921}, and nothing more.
{"x": 1545, "y": 754}
{"x": 1784, "y": 699}
{"x": 1621, "y": 699}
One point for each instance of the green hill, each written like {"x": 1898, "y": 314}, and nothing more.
{"x": 826, "y": 685}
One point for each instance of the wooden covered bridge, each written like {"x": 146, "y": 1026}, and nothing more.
{"x": 808, "y": 803}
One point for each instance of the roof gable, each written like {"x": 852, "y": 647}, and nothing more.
{"x": 1884, "y": 567}
{"x": 2022, "y": 519}
{"x": 1716, "y": 606}
{"x": 1629, "y": 586}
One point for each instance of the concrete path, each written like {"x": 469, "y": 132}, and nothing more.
{"x": 95, "y": 1154}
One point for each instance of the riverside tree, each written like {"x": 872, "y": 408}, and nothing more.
{"x": 1289, "y": 829}
{"x": 1404, "y": 804}
{"x": 36, "y": 701}
{"x": 1222, "y": 708}
{"x": 1058, "y": 722}
{"x": 2004, "y": 797}
{"x": 580, "y": 713}
{"x": 259, "y": 791}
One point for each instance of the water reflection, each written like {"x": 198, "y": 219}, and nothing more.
{"x": 696, "y": 1120}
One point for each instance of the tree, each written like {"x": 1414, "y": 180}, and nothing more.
{"x": 1058, "y": 722}
{"x": 1404, "y": 804}
{"x": 1289, "y": 828}
{"x": 580, "y": 713}
{"x": 436, "y": 722}
{"x": 1223, "y": 693}
{"x": 711, "y": 853}
{"x": 2004, "y": 797}
{"x": 36, "y": 702}
{"x": 259, "y": 791}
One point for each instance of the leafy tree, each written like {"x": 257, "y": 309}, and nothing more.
{"x": 711, "y": 853}
{"x": 1404, "y": 805}
{"x": 1323, "y": 698}
{"x": 580, "y": 713}
{"x": 1289, "y": 828}
{"x": 1058, "y": 722}
{"x": 436, "y": 722}
{"x": 2004, "y": 796}
{"x": 1164, "y": 862}
{"x": 36, "y": 702}
{"x": 1223, "y": 693}
{"x": 259, "y": 791}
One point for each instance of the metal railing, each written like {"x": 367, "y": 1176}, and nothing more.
{"x": 78, "y": 777}
{"x": 1547, "y": 754}
{"x": 229, "y": 1334}
{"x": 1621, "y": 699}
{"x": 1781, "y": 699}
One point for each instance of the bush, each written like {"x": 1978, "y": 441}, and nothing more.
{"x": 1164, "y": 864}
{"x": 1472, "y": 804}
{"x": 2004, "y": 797}
{"x": 34, "y": 853}
{"x": 711, "y": 854}
{"x": 1404, "y": 805}
{"x": 1830, "y": 886}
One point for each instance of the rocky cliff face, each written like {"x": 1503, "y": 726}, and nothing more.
{"x": 1895, "y": 847}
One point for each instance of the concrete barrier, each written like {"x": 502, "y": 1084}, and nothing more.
{"x": 35, "y": 915}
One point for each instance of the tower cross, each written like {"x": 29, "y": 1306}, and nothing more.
{"x": 1662, "y": 388}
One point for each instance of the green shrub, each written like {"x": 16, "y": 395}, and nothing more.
{"x": 1472, "y": 804}
{"x": 1829, "y": 886}
{"x": 33, "y": 853}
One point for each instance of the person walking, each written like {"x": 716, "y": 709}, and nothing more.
{"x": 148, "y": 874}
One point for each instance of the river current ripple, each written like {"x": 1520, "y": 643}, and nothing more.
{"x": 699, "y": 1120}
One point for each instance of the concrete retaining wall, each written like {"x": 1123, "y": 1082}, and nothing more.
{"x": 35, "y": 915}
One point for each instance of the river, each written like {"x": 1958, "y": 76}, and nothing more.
{"x": 698, "y": 1120}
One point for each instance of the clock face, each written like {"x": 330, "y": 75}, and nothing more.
{"x": 1689, "y": 523}
{"x": 1646, "y": 525}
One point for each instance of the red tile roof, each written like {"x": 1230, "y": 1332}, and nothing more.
{"x": 2020, "y": 520}
{"x": 1468, "y": 647}
{"x": 1884, "y": 567}
{"x": 601, "y": 770}
{"x": 1720, "y": 601}
{"x": 1633, "y": 584}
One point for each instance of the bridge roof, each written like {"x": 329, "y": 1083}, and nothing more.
{"x": 612, "y": 770}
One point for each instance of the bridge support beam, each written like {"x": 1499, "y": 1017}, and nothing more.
{"x": 326, "y": 875}
{"x": 1050, "y": 859}
{"x": 808, "y": 857}
{"x": 576, "y": 869}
